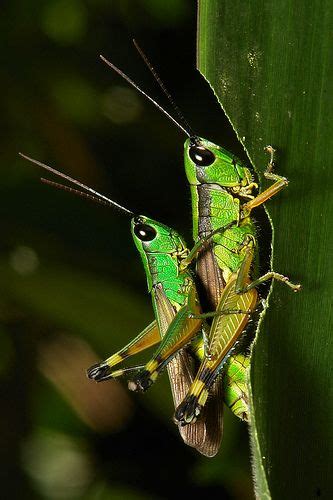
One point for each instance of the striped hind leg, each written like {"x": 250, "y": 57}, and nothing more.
{"x": 180, "y": 332}
{"x": 224, "y": 334}
{"x": 149, "y": 337}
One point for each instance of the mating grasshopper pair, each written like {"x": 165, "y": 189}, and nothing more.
{"x": 223, "y": 197}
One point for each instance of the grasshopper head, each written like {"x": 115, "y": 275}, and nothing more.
{"x": 207, "y": 163}
{"x": 153, "y": 237}
{"x": 158, "y": 246}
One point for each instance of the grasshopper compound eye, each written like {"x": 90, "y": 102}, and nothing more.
{"x": 201, "y": 156}
{"x": 144, "y": 232}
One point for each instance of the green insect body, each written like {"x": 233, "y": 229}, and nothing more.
{"x": 161, "y": 249}
{"x": 168, "y": 286}
{"x": 173, "y": 297}
{"x": 216, "y": 191}
{"x": 162, "y": 260}
{"x": 173, "y": 294}
{"x": 162, "y": 253}
{"x": 222, "y": 192}
{"x": 235, "y": 385}
{"x": 212, "y": 208}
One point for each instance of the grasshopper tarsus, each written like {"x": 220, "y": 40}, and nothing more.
{"x": 271, "y": 151}
{"x": 188, "y": 411}
{"x": 295, "y": 287}
{"x": 141, "y": 383}
{"x": 99, "y": 372}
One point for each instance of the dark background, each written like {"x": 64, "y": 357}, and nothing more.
{"x": 72, "y": 286}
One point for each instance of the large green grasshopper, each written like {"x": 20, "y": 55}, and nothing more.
{"x": 174, "y": 299}
{"x": 223, "y": 196}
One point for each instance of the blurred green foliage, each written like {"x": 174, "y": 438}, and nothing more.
{"x": 72, "y": 286}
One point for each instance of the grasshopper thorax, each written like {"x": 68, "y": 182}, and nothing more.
{"x": 161, "y": 248}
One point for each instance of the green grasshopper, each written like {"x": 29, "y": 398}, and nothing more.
{"x": 222, "y": 191}
{"x": 174, "y": 300}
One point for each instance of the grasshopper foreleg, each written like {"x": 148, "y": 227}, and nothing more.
{"x": 279, "y": 183}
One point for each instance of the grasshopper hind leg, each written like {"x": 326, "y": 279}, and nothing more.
{"x": 180, "y": 332}
{"x": 104, "y": 370}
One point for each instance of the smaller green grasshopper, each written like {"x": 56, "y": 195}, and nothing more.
{"x": 174, "y": 301}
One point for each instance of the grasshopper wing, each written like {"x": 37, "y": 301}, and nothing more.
{"x": 206, "y": 434}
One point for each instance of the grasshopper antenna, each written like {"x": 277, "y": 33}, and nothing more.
{"x": 163, "y": 87}
{"x": 77, "y": 192}
{"x": 94, "y": 194}
{"x": 158, "y": 106}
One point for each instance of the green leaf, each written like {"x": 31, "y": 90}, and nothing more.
{"x": 269, "y": 64}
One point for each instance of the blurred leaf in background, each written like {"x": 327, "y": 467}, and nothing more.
{"x": 72, "y": 286}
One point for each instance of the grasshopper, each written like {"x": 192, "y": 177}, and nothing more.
{"x": 174, "y": 299}
{"x": 223, "y": 194}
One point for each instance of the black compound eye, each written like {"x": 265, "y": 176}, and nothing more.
{"x": 144, "y": 232}
{"x": 201, "y": 156}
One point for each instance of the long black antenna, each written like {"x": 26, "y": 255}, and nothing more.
{"x": 128, "y": 79}
{"x": 80, "y": 184}
{"x": 77, "y": 192}
{"x": 163, "y": 87}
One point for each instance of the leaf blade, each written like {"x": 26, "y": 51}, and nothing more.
{"x": 268, "y": 64}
